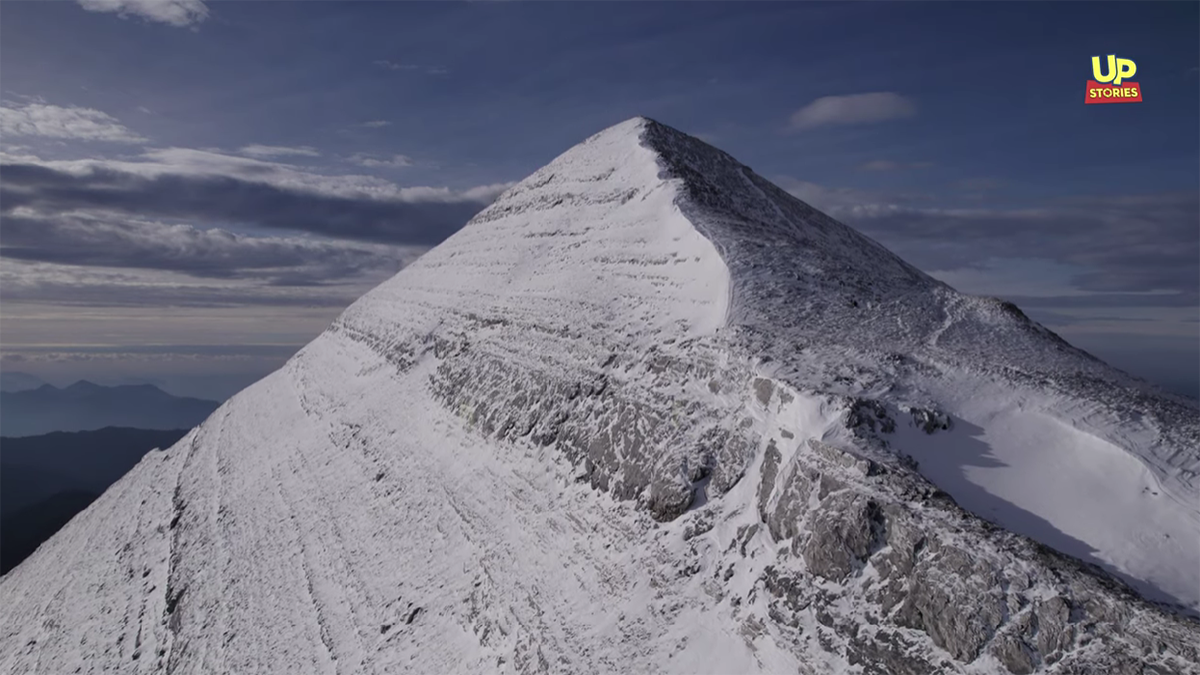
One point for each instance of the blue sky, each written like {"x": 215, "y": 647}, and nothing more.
{"x": 341, "y": 139}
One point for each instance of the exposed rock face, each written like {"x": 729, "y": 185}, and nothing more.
{"x": 905, "y": 559}
{"x": 647, "y": 412}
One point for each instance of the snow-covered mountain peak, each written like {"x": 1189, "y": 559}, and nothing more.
{"x": 647, "y": 412}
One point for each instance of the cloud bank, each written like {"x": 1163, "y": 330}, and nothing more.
{"x": 1125, "y": 244}
{"x": 183, "y": 227}
{"x": 202, "y": 186}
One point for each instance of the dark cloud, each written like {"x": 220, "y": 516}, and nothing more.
{"x": 155, "y": 230}
{"x": 77, "y": 293}
{"x": 280, "y": 350}
{"x": 1059, "y": 319}
{"x": 212, "y": 253}
{"x": 233, "y": 199}
{"x": 1108, "y": 300}
{"x": 1126, "y": 244}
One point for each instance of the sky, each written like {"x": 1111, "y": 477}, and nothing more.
{"x": 189, "y": 191}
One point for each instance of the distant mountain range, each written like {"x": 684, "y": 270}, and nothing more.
{"x": 85, "y": 406}
{"x": 16, "y": 381}
{"x": 45, "y": 480}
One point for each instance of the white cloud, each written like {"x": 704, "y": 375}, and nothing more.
{"x": 393, "y": 162}
{"x": 174, "y": 12}
{"x": 487, "y": 193}
{"x": 208, "y": 187}
{"x": 392, "y": 65}
{"x": 256, "y": 150}
{"x": 428, "y": 70}
{"x": 853, "y": 109}
{"x": 191, "y": 162}
{"x": 376, "y": 124}
{"x": 75, "y": 123}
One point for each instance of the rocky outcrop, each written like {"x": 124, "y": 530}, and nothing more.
{"x": 903, "y": 557}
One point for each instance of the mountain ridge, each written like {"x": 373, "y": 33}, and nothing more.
{"x": 87, "y": 406}
{"x": 12, "y": 380}
{"x": 602, "y": 428}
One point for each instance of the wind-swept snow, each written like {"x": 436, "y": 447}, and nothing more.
{"x": 1020, "y": 460}
{"x": 646, "y": 413}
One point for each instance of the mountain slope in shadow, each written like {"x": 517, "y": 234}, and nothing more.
{"x": 45, "y": 480}
{"x": 22, "y": 531}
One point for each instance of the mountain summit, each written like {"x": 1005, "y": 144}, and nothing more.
{"x": 647, "y": 412}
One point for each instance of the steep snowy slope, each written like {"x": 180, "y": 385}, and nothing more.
{"x": 646, "y": 413}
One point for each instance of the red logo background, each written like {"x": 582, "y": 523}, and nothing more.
{"x": 1101, "y": 98}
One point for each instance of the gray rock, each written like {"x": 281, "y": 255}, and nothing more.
{"x": 841, "y": 535}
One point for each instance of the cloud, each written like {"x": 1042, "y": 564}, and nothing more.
{"x": 391, "y": 65}
{"x": 190, "y": 162}
{"x": 74, "y": 123}
{"x": 256, "y": 150}
{"x": 93, "y": 233}
{"x": 147, "y": 264}
{"x": 487, "y": 193}
{"x": 428, "y": 70}
{"x": 394, "y": 162}
{"x": 853, "y": 109}
{"x": 174, "y": 12}
{"x": 889, "y": 165}
{"x": 34, "y": 352}
{"x": 185, "y": 249}
{"x": 376, "y": 124}
{"x": 84, "y": 287}
{"x": 1120, "y": 243}
{"x": 1108, "y": 301}
{"x": 144, "y": 230}
{"x": 180, "y": 184}
{"x": 1123, "y": 244}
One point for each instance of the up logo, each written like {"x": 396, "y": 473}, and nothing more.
{"x": 1111, "y": 83}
